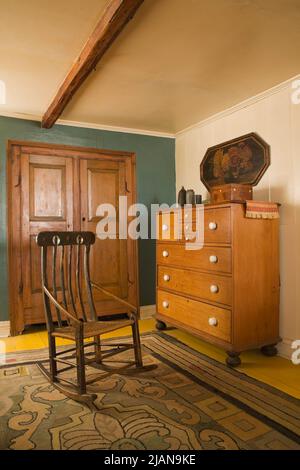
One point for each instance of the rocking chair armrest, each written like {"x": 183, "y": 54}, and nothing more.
{"x": 133, "y": 310}
{"x": 61, "y": 308}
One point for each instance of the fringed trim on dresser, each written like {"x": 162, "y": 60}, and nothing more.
{"x": 262, "y": 210}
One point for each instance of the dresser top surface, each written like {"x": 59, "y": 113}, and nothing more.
{"x": 209, "y": 206}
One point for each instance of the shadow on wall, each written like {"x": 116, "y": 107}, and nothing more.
{"x": 147, "y": 263}
{"x": 289, "y": 258}
{"x": 3, "y": 281}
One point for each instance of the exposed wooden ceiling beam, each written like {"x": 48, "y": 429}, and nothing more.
{"x": 115, "y": 17}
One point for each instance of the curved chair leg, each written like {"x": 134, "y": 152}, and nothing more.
{"x": 66, "y": 390}
{"x": 70, "y": 393}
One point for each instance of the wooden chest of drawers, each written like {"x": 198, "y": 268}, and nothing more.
{"x": 226, "y": 292}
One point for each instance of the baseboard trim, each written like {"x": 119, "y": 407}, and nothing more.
{"x": 284, "y": 348}
{"x": 4, "y": 329}
{"x": 147, "y": 311}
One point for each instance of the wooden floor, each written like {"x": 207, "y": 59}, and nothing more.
{"x": 276, "y": 371}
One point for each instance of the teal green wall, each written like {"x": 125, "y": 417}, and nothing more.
{"x": 155, "y": 182}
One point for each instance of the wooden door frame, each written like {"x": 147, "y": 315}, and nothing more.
{"x": 13, "y": 187}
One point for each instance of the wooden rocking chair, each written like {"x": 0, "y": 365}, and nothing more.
{"x": 67, "y": 316}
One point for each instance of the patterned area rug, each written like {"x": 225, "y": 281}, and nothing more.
{"x": 188, "y": 402}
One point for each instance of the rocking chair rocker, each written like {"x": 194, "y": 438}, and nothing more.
{"x": 75, "y": 318}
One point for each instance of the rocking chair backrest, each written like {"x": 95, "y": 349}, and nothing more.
{"x": 68, "y": 253}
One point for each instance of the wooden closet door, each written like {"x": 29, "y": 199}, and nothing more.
{"x": 102, "y": 182}
{"x": 46, "y": 204}
{"x": 59, "y": 187}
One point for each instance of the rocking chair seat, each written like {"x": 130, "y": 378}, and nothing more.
{"x": 91, "y": 328}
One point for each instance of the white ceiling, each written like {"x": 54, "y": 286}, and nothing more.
{"x": 176, "y": 63}
{"x": 39, "y": 41}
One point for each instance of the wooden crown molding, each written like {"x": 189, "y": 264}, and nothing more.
{"x": 90, "y": 125}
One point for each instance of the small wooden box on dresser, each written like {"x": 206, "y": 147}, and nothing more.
{"x": 227, "y": 292}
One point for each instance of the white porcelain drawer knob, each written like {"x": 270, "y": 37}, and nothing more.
{"x": 165, "y": 253}
{"x": 214, "y": 289}
{"x": 165, "y": 304}
{"x": 166, "y": 277}
{"x": 212, "y": 226}
{"x": 165, "y": 227}
{"x": 213, "y": 259}
{"x": 212, "y": 321}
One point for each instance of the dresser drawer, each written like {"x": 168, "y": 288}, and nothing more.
{"x": 179, "y": 225}
{"x": 209, "y": 319}
{"x": 169, "y": 226}
{"x": 205, "y": 286}
{"x": 217, "y": 224}
{"x": 214, "y": 259}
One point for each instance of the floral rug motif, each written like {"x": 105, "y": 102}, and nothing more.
{"x": 188, "y": 402}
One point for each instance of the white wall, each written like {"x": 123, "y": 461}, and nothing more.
{"x": 273, "y": 116}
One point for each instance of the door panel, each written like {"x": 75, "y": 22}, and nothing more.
{"x": 44, "y": 183}
{"x": 46, "y": 204}
{"x": 103, "y": 187}
{"x": 102, "y": 182}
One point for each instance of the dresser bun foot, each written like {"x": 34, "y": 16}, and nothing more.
{"x": 160, "y": 325}
{"x": 233, "y": 359}
{"x": 270, "y": 350}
